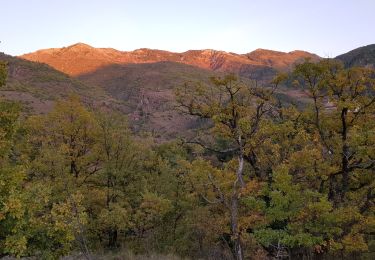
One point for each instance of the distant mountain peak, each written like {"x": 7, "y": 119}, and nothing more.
{"x": 279, "y": 60}
{"x": 79, "y": 48}
{"x": 264, "y": 50}
{"x": 80, "y": 45}
{"x": 81, "y": 58}
{"x": 298, "y": 51}
{"x": 140, "y": 50}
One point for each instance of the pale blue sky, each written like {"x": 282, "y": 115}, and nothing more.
{"x": 325, "y": 27}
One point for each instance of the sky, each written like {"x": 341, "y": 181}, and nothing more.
{"x": 325, "y": 27}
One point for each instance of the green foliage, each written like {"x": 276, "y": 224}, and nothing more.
{"x": 259, "y": 181}
{"x": 13, "y": 207}
{"x": 3, "y": 73}
{"x": 319, "y": 197}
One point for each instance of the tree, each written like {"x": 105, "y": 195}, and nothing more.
{"x": 341, "y": 119}
{"x": 343, "y": 106}
{"x": 321, "y": 195}
{"x": 65, "y": 156}
{"x": 66, "y": 140}
{"x": 3, "y": 73}
{"x": 13, "y": 239}
{"x": 120, "y": 175}
{"x": 237, "y": 110}
{"x": 13, "y": 210}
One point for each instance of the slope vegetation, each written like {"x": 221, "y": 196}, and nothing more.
{"x": 363, "y": 57}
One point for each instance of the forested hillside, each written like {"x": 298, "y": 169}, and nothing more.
{"x": 141, "y": 84}
{"x": 37, "y": 86}
{"x": 362, "y": 56}
{"x": 255, "y": 178}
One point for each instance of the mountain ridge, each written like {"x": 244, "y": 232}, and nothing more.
{"x": 81, "y": 58}
{"x": 138, "y": 83}
{"x": 362, "y": 56}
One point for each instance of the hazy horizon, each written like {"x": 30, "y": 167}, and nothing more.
{"x": 326, "y": 28}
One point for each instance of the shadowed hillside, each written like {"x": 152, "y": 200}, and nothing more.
{"x": 146, "y": 91}
{"x": 37, "y": 85}
{"x": 143, "y": 89}
{"x": 363, "y": 56}
{"x": 143, "y": 81}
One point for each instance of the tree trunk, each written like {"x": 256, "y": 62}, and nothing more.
{"x": 238, "y": 184}
{"x": 237, "y": 250}
{"x": 240, "y": 165}
{"x": 345, "y": 154}
{"x": 112, "y": 238}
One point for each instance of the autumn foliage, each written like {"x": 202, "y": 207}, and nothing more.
{"x": 259, "y": 180}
